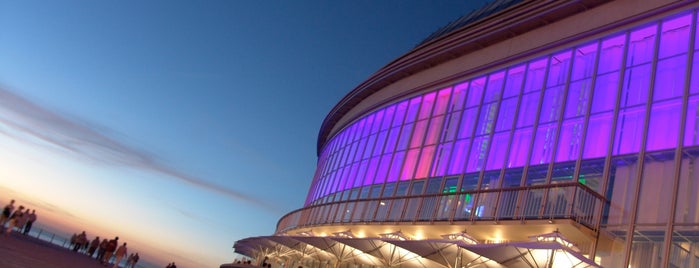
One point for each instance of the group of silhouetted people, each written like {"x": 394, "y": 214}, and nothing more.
{"x": 107, "y": 251}
{"x": 20, "y": 219}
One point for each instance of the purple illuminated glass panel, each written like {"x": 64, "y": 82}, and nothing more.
{"x": 404, "y": 137}
{"x": 498, "y": 149}
{"x": 665, "y": 125}
{"x": 528, "y": 109}
{"x": 612, "y": 54}
{"x": 458, "y": 157}
{"x": 569, "y": 140}
{"x": 584, "y": 62}
{"x": 434, "y": 130}
{"x": 378, "y": 119}
{"x": 442, "y": 102}
{"x": 543, "y": 144}
{"x": 468, "y": 119}
{"x": 494, "y": 89}
{"x": 423, "y": 164}
{"x": 399, "y": 114}
{"x": 674, "y": 38}
{"x": 515, "y": 77}
{"x": 477, "y": 155}
{"x": 418, "y": 133}
{"x": 694, "y": 86}
{"x": 558, "y": 70}
{"x": 604, "y": 97}
{"x": 458, "y": 98}
{"x": 578, "y": 97}
{"x": 486, "y": 121}
{"x": 451, "y": 126}
{"x": 475, "y": 92}
{"x": 629, "y": 130}
{"x": 441, "y": 162}
{"x": 598, "y": 134}
{"x": 519, "y": 148}
{"x": 691, "y": 133}
{"x": 409, "y": 165}
{"x": 552, "y": 105}
{"x": 427, "y": 104}
{"x": 396, "y": 166}
{"x": 413, "y": 109}
{"x": 669, "y": 78}
{"x": 370, "y": 142}
{"x": 361, "y": 173}
{"x": 636, "y": 86}
{"x": 381, "y": 141}
{"x": 382, "y": 171}
{"x": 641, "y": 45}
{"x": 535, "y": 75}
{"x": 507, "y": 114}
{"x": 371, "y": 170}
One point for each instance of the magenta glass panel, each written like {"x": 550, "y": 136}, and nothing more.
{"x": 361, "y": 173}
{"x": 528, "y": 109}
{"x": 423, "y": 165}
{"x": 371, "y": 170}
{"x": 584, "y": 63}
{"x": 641, "y": 45}
{"x": 487, "y": 119}
{"x": 691, "y": 133}
{"x": 520, "y": 148}
{"x": 467, "y": 120}
{"x": 441, "y": 162}
{"x": 552, "y": 105}
{"x": 674, "y": 37}
{"x": 442, "y": 101}
{"x": 629, "y": 130}
{"x": 636, "y": 86}
{"x": 458, "y": 157}
{"x": 404, "y": 137}
{"x": 413, "y": 109}
{"x": 558, "y": 70}
{"x": 598, "y": 134}
{"x": 669, "y": 78}
{"x": 542, "y": 150}
{"x": 409, "y": 165}
{"x": 396, "y": 166}
{"x": 380, "y": 146}
{"x": 498, "y": 148}
{"x": 604, "y": 96}
{"x": 382, "y": 171}
{"x": 578, "y": 97}
{"x": 612, "y": 54}
{"x": 475, "y": 92}
{"x": 418, "y": 133}
{"x": 427, "y": 104}
{"x": 515, "y": 77}
{"x": 399, "y": 116}
{"x": 477, "y": 155}
{"x": 378, "y": 119}
{"x": 451, "y": 126}
{"x": 458, "y": 97}
{"x": 494, "y": 88}
{"x": 434, "y": 130}
{"x": 506, "y": 115}
{"x": 535, "y": 75}
{"x": 694, "y": 86}
{"x": 665, "y": 125}
{"x": 569, "y": 140}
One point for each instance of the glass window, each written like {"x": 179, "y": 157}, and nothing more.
{"x": 498, "y": 149}
{"x": 569, "y": 140}
{"x": 686, "y": 210}
{"x": 674, "y": 37}
{"x": 664, "y": 125}
{"x": 528, "y": 109}
{"x": 612, "y": 54}
{"x": 434, "y": 130}
{"x": 477, "y": 155}
{"x": 413, "y": 109}
{"x": 381, "y": 141}
{"x": 658, "y": 170}
{"x": 475, "y": 92}
{"x": 520, "y": 147}
{"x": 423, "y": 165}
{"x": 543, "y": 144}
{"x": 382, "y": 171}
{"x": 694, "y": 85}
{"x": 604, "y": 96}
{"x": 458, "y": 97}
{"x": 396, "y": 165}
{"x": 371, "y": 170}
{"x": 439, "y": 166}
{"x": 636, "y": 86}
{"x": 598, "y": 134}
{"x": 535, "y": 75}
{"x": 433, "y": 186}
{"x": 584, "y": 63}
{"x": 401, "y": 109}
{"x": 458, "y": 157}
{"x": 495, "y": 83}
{"x": 404, "y": 137}
{"x": 558, "y": 70}
{"x": 641, "y": 45}
{"x": 467, "y": 121}
{"x": 578, "y": 98}
{"x": 486, "y": 119}
{"x": 378, "y": 120}
{"x": 552, "y": 105}
{"x": 507, "y": 114}
{"x": 427, "y": 104}
{"x": 418, "y": 133}
{"x": 691, "y": 133}
{"x": 669, "y": 78}
{"x": 409, "y": 166}
{"x": 629, "y": 130}
{"x": 442, "y": 101}
{"x": 515, "y": 77}
{"x": 451, "y": 126}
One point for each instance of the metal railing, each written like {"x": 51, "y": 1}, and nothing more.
{"x": 570, "y": 200}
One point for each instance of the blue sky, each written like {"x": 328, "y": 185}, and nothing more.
{"x": 183, "y": 126}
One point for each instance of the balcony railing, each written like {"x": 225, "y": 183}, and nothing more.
{"x": 570, "y": 200}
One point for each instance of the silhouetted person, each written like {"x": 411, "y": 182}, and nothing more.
{"x": 93, "y": 246}
{"x": 133, "y": 259}
{"x": 111, "y": 247}
{"x": 7, "y": 212}
{"x": 102, "y": 249}
{"x": 13, "y": 220}
{"x": 80, "y": 240}
{"x": 119, "y": 254}
{"x": 30, "y": 222}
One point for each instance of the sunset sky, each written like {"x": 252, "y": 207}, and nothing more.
{"x": 182, "y": 126}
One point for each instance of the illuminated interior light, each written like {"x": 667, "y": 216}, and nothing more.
{"x": 462, "y": 236}
{"x": 395, "y": 236}
{"x": 345, "y": 234}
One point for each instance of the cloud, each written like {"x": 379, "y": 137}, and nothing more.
{"x": 28, "y": 122}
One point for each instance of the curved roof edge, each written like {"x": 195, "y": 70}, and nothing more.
{"x": 513, "y": 20}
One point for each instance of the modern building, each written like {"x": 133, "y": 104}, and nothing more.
{"x": 524, "y": 134}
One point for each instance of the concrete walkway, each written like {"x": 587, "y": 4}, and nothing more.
{"x": 20, "y": 251}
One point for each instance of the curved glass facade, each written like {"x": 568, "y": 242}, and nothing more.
{"x": 579, "y": 114}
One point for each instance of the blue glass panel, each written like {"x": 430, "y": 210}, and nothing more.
{"x": 598, "y": 134}
{"x": 515, "y": 77}
{"x": 491, "y": 180}
{"x": 470, "y": 182}
{"x": 513, "y": 178}
{"x": 520, "y": 147}
{"x": 381, "y": 141}
{"x": 458, "y": 157}
{"x": 584, "y": 62}
{"x": 404, "y": 137}
{"x": 476, "y": 157}
{"x": 612, "y": 54}
{"x": 665, "y": 125}
{"x": 535, "y": 75}
{"x": 604, "y": 97}
{"x": 569, "y": 140}
{"x": 413, "y": 109}
{"x": 674, "y": 37}
{"x": 629, "y": 130}
{"x": 361, "y": 173}
{"x": 641, "y": 45}
{"x": 486, "y": 121}
{"x": 542, "y": 150}
{"x": 528, "y": 109}
{"x": 669, "y": 78}
{"x": 451, "y": 126}
{"x": 401, "y": 109}
{"x": 370, "y": 142}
